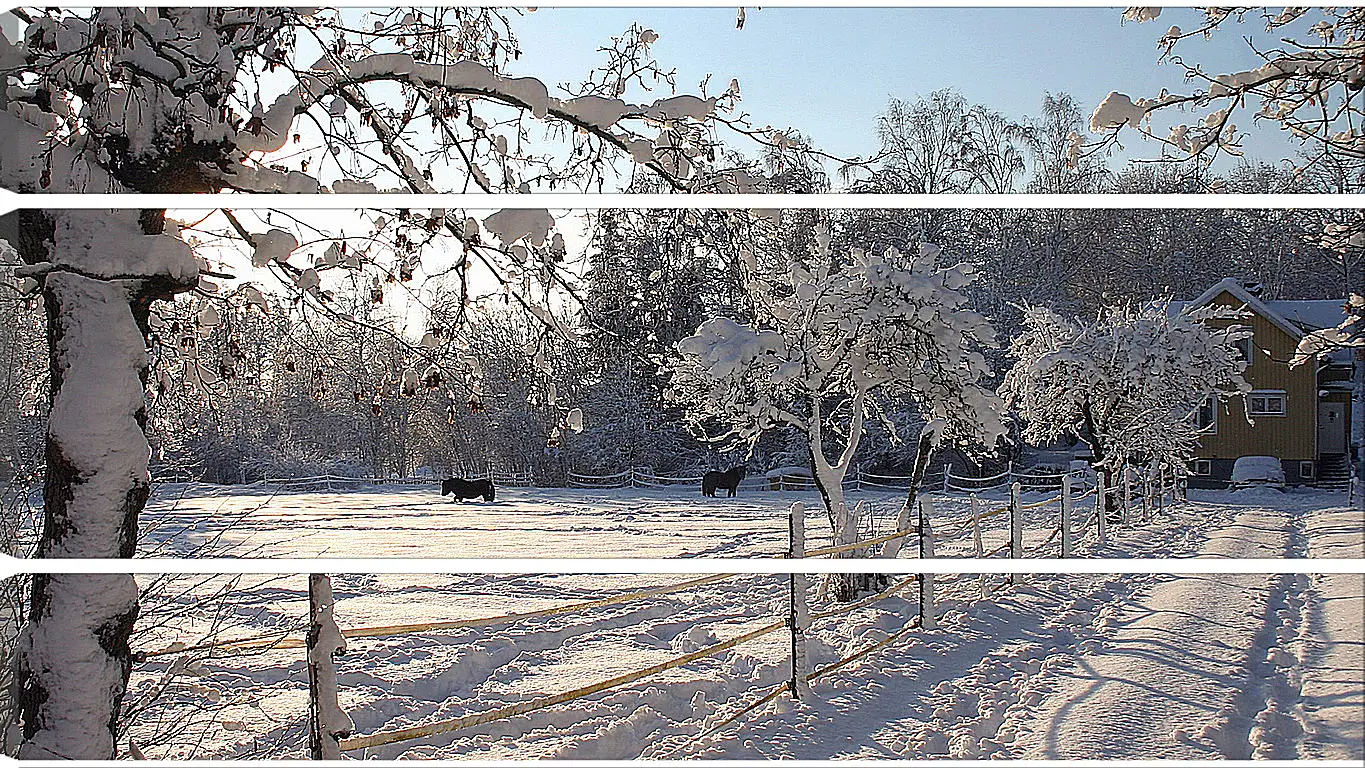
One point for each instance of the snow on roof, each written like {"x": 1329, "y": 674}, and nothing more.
{"x": 1294, "y": 317}
{"x": 788, "y": 472}
{"x": 1312, "y": 314}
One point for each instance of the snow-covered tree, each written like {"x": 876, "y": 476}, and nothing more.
{"x": 1129, "y": 383}
{"x": 191, "y": 100}
{"x": 297, "y": 100}
{"x": 833, "y": 339}
{"x": 100, "y": 273}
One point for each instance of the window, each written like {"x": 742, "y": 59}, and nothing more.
{"x": 1267, "y": 404}
{"x": 1306, "y": 470}
{"x": 1206, "y": 418}
{"x": 1246, "y": 347}
{"x": 1201, "y": 467}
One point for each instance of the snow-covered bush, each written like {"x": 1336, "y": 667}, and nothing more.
{"x": 833, "y": 340}
{"x": 1129, "y": 383}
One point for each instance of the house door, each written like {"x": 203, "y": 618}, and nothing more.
{"x": 1331, "y": 428}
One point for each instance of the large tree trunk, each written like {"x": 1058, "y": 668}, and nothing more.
{"x": 73, "y": 656}
{"x": 1099, "y": 461}
{"x": 829, "y": 481}
{"x": 923, "y": 453}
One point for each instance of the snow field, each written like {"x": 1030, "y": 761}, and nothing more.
{"x": 383, "y": 521}
{"x": 1077, "y": 665}
{"x": 389, "y": 682}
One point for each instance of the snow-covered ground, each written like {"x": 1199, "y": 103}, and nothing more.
{"x": 406, "y": 521}
{"x": 1098, "y": 666}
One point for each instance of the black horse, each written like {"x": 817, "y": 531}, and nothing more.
{"x": 467, "y": 489}
{"x": 729, "y": 480}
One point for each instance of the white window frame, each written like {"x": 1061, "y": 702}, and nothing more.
{"x": 1312, "y": 470}
{"x": 1202, "y": 467}
{"x": 1264, "y": 394}
{"x": 1212, "y": 404}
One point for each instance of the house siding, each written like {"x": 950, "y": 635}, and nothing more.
{"x": 1291, "y": 438}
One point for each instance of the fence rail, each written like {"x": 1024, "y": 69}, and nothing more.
{"x": 641, "y": 477}
{"x": 858, "y": 479}
{"x": 331, "y": 482}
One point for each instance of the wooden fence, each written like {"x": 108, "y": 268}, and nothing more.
{"x": 1137, "y": 497}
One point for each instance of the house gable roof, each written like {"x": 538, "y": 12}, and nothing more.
{"x": 1232, "y": 286}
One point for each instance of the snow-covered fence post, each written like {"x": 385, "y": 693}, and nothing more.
{"x": 1009, "y": 471}
{"x": 1160, "y": 488}
{"x": 1066, "y": 516}
{"x": 1016, "y": 528}
{"x": 328, "y": 724}
{"x": 1101, "y": 494}
{"x": 1127, "y": 474}
{"x": 946, "y": 473}
{"x": 1146, "y": 494}
{"x": 926, "y": 551}
{"x": 798, "y": 617}
{"x": 1101, "y": 518}
{"x": 977, "y": 548}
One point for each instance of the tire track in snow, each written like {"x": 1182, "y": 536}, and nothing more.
{"x": 1202, "y": 668}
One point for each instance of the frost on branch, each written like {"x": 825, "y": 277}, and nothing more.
{"x": 273, "y": 245}
{"x": 298, "y": 100}
{"x": 1350, "y": 334}
{"x": 1307, "y": 80}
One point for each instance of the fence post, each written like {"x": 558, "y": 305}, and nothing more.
{"x": 1127, "y": 494}
{"x": 1016, "y": 528}
{"x": 977, "y": 548}
{"x": 1101, "y": 511}
{"x": 1009, "y": 471}
{"x": 1146, "y": 494}
{"x": 1160, "y": 488}
{"x": 1066, "y": 516}
{"x": 926, "y": 580}
{"x": 946, "y": 468}
{"x": 798, "y": 617}
{"x": 328, "y": 724}
{"x": 892, "y": 550}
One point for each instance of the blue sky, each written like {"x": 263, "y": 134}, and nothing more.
{"x": 829, "y": 71}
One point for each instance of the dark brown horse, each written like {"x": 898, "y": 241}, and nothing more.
{"x": 729, "y": 480}
{"x": 467, "y": 489}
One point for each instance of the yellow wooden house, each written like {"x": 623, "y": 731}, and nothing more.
{"x": 1299, "y": 415}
